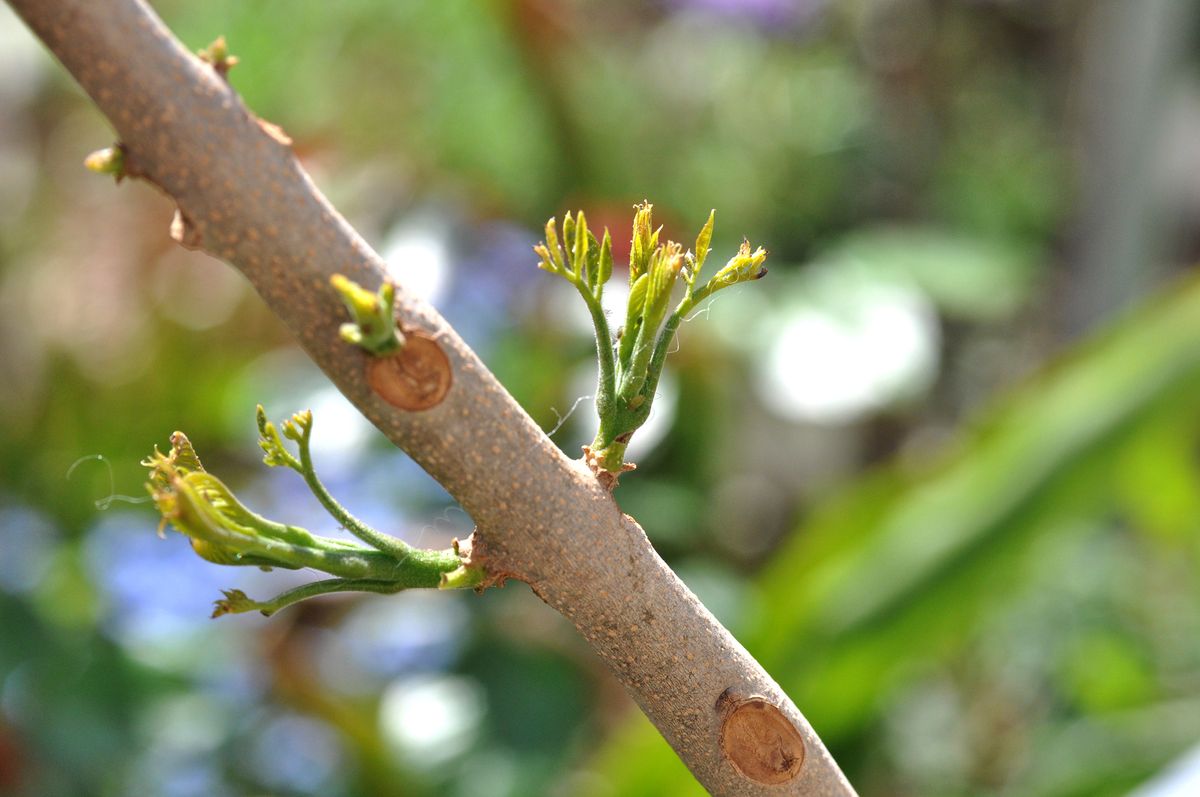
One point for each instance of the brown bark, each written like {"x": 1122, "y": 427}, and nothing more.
{"x": 540, "y": 517}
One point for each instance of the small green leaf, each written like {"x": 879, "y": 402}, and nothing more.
{"x": 664, "y": 270}
{"x": 184, "y": 455}
{"x": 234, "y": 602}
{"x": 634, "y": 309}
{"x": 702, "y": 245}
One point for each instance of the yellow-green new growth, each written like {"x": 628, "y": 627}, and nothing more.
{"x": 373, "y": 325}
{"x": 643, "y": 242}
{"x": 110, "y": 160}
{"x": 223, "y": 531}
{"x": 218, "y": 56}
{"x": 631, "y": 366}
{"x": 696, "y": 261}
{"x": 742, "y": 267}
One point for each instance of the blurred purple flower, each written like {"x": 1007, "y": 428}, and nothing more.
{"x": 771, "y": 15}
{"x": 495, "y": 266}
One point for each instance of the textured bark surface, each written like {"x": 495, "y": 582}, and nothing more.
{"x": 541, "y": 517}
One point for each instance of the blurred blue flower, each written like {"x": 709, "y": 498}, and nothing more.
{"x": 178, "y": 776}
{"x": 27, "y": 540}
{"x": 292, "y": 753}
{"x": 153, "y": 586}
{"x": 412, "y": 631}
{"x": 387, "y": 637}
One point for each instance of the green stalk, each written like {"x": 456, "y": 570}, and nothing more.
{"x": 660, "y": 352}
{"x": 382, "y": 542}
{"x": 606, "y": 378}
{"x": 237, "y": 602}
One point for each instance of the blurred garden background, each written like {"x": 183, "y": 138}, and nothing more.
{"x": 938, "y": 471}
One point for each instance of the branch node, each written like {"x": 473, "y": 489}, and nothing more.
{"x": 110, "y": 160}
{"x": 274, "y": 131}
{"x": 217, "y": 55}
{"x": 372, "y": 326}
{"x": 595, "y": 460}
{"x": 184, "y": 232}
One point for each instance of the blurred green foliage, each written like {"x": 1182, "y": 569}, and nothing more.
{"x": 964, "y": 542}
{"x": 1020, "y": 576}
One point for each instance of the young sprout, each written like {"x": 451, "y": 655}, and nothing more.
{"x": 630, "y": 366}
{"x": 223, "y": 531}
{"x": 372, "y": 325}
{"x": 110, "y": 160}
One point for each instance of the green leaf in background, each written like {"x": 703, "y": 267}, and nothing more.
{"x": 918, "y": 573}
{"x": 966, "y": 276}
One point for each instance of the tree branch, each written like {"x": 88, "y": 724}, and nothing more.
{"x": 541, "y": 517}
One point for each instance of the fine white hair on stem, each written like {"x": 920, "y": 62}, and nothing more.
{"x": 563, "y": 418}
{"x": 704, "y": 309}
{"x": 676, "y": 347}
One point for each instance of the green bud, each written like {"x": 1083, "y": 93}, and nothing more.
{"x": 373, "y": 324}
{"x": 217, "y": 54}
{"x": 580, "y": 246}
{"x": 555, "y": 251}
{"x": 275, "y": 453}
{"x": 546, "y": 263}
{"x": 569, "y": 244}
{"x": 642, "y": 244}
{"x": 110, "y": 160}
{"x": 605, "y": 265}
{"x": 359, "y": 301}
